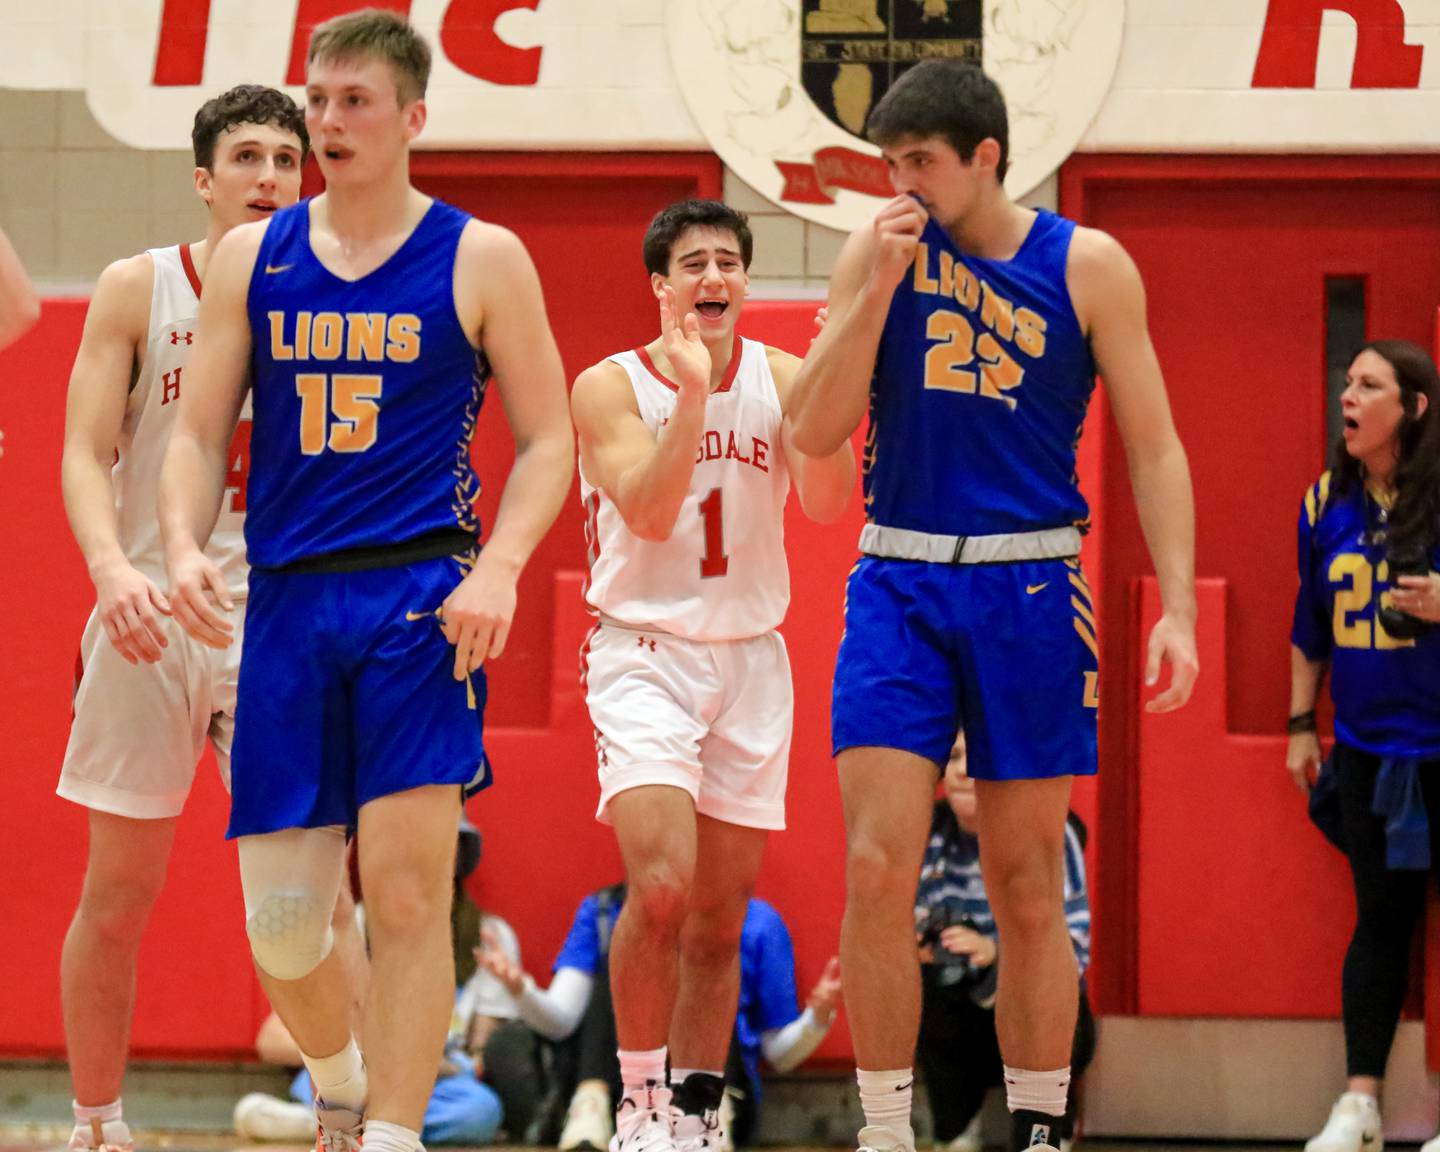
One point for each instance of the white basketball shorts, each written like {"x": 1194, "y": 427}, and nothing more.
{"x": 711, "y": 717}
{"x": 140, "y": 729}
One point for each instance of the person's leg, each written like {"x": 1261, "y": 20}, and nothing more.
{"x": 655, "y": 826}
{"x": 887, "y": 796}
{"x": 512, "y": 1068}
{"x": 291, "y": 879}
{"x": 727, "y": 861}
{"x": 1022, "y": 841}
{"x": 123, "y": 878}
{"x": 407, "y": 861}
{"x": 1387, "y": 905}
{"x": 956, "y": 1053}
{"x": 1082, "y": 1051}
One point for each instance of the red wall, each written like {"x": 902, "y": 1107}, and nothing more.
{"x": 543, "y": 849}
{"x": 1212, "y": 881}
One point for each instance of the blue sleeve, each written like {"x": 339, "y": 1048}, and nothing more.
{"x": 767, "y": 965}
{"x": 1310, "y": 631}
{"x": 582, "y": 946}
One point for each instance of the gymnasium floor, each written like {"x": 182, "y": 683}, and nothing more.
{"x": 19, "y": 1140}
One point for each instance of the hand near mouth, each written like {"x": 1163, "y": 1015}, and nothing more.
{"x": 688, "y": 356}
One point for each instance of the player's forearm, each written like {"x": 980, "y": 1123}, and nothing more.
{"x": 650, "y": 493}
{"x": 831, "y": 393}
{"x": 1166, "y": 504}
{"x": 19, "y": 305}
{"x": 824, "y": 484}
{"x": 192, "y": 487}
{"x": 1305, "y": 679}
{"x": 534, "y": 493}
{"x": 90, "y": 507}
{"x": 788, "y": 1047}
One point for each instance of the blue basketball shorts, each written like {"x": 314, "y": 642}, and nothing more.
{"x": 1006, "y": 651}
{"x": 347, "y": 694}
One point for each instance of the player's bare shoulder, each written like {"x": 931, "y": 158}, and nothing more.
{"x": 232, "y": 264}
{"x": 120, "y": 303}
{"x": 601, "y": 392}
{"x": 492, "y": 271}
{"x": 1100, "y": 275}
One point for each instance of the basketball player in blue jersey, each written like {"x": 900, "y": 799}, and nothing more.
{"x": 19, "y": 306}
{"x": 972, "y": 329}
{"x": 370, "y": 319}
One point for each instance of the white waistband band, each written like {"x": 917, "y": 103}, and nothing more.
{"x": 1008, "y": 547}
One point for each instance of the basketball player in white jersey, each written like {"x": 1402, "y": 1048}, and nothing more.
{"x": 148, "y": 695}
{"x": 685, "y": 464}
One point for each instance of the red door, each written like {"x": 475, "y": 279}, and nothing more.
{"x": 1213, "y": 886}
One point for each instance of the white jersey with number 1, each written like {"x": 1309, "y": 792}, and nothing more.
{"x": 722, "y": 574}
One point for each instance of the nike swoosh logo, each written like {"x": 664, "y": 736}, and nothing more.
{"x": 271, "y": 269}
{"x": 421, "y": 615}
{"x": 1031, "y": 589}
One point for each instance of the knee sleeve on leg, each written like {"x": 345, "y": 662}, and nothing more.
{"x": 290, "y": 933}
{"x": 290, "y": 879}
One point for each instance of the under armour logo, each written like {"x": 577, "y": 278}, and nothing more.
{"x": 176, "y": 337}
{"x": 643, "y": 641}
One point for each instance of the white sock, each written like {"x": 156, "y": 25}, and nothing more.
{"x": 340, "y": 1080}
{"x": 1037, "y": 1091}
{"x": 382, "y": 1136}
{"x": 885, "y": 1099}
{"x": 640, "y": 1068}
{"x": 102, "y": 1112}
{"x": 108, "y": 1118}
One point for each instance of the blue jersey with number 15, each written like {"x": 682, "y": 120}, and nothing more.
{"x": 366, "y": 394}
{"x": 981, "y": 383}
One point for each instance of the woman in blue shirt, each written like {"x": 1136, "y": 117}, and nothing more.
{"x": 1365, "y": 610}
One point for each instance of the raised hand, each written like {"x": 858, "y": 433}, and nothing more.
{"x": 491, "y": 957}
{"x": 896, "y": 231}
{"x": 824, "y": 998}
{"x": 688, "y": 356}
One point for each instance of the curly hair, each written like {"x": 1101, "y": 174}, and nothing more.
{"x": 245, "y": 104}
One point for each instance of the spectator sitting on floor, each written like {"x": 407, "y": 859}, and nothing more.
{"x": 576, "y": 1009}
{"x": 957, "y": 1050}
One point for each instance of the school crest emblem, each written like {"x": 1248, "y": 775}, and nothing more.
{"x": 781, "y": 88}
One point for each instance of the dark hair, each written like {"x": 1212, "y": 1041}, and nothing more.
{"x": 1415, "y": 518}
{"x": 670, "y": 224}
{"x": 379, "y": 34}
{"x": 245, "y": 104}
{"x": 952, "y": 99}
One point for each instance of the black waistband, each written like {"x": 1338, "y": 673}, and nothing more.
{"x": 431, "y": 546}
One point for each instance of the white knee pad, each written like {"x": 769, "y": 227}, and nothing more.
{"x": 291, "y": 879}
{"x": 290, "y": 932}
